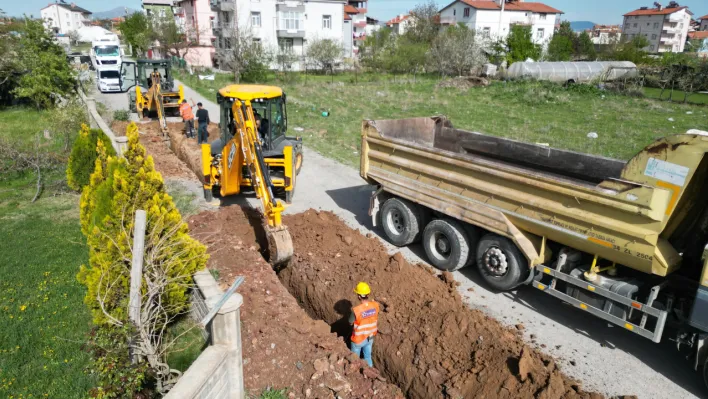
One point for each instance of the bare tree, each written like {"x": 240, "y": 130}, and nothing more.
{"x": 323, "y": 53}
{"x": 172, "y": 39}
{"x": 457, "y": 51}
{"x": 74, "y": 37}
{"x": 242, "y": 53}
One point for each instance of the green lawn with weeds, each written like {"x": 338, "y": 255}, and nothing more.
{"x": 43, "y": 321}
{"x": 535, "y": 112}
{"x": 695, "y": 98}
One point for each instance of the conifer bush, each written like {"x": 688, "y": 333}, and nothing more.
{"x": 83, "y": 156}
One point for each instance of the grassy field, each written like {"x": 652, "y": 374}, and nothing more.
{"x": 43, "y": 321}
{"x": 531, "y": 112}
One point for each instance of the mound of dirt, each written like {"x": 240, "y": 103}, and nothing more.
{"x": 429, "y": 343}
{"x": 464, "y": 82}
{"x": 282, "y": 346}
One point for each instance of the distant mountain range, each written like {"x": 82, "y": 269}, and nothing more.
{"x": 114, "y": 13}
{"x": 579, "y": 26}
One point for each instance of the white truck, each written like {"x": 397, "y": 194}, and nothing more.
{"x": 106, "y": 51}
{"x": 108, "y": 78}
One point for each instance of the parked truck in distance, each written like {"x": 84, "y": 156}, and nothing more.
{"x": 624, "y": 241}
{"x": 106, "y": 51}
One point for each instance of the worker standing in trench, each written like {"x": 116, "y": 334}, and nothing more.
{"x": 364, "y": 318}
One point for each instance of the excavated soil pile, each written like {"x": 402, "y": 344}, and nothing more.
{"x": 188, "y": 150}
{"x": 430, "y": 344}
{"x": 282, "y": 346}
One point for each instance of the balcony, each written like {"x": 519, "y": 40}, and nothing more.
{"x": 669, "y": 40}
{"x": 448, "y": 21}
{"x": 291, "y": 33}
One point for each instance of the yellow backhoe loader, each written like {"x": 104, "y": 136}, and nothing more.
{"x": 154, "y": 94}
{"x": 255, "y": 152}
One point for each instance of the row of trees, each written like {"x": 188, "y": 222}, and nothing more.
{"x": 33, "y": 68}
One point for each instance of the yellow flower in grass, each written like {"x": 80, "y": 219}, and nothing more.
{"x": 22, "y": 308}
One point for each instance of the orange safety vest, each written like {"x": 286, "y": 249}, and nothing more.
{"x": 186, "y": 111}
{"x": 367, "y": 317}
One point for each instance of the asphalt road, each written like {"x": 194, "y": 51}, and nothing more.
{"x": 607, "y": 360}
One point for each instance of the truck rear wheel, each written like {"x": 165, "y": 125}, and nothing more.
{"x": 446, "y": 244}
{"x": 401, "y": 220}
{"x": 500, "y": 262}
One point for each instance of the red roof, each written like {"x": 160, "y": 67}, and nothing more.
{"x": 703, "y": 17}
{"x": 655, "y": 11}
{"x": 347, "y": 17}
{"x": 397, "y": 20}
{"x": 514, "y": 6}
{"x": 350, "y": 9}
{"x": 698, "y": 35}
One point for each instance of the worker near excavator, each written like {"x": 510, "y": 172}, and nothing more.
{"x": 185, "y": 110}
{"x": 364, "y": 319}
{"x": 203, "y": 120}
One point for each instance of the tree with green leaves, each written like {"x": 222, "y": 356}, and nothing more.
{"x": 519, "y": 45}
{"x": 560, "y": 48}
{"x": 586, "y": 47}
{"x": 137, "y": 31}
{"x": 376, "y": 47}
{"x": 46, "y": 77}
{"x": 405, "y": 56}
{"x": 423, "y": 23}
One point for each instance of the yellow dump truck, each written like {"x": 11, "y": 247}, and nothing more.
{"x": 624, "y": 241}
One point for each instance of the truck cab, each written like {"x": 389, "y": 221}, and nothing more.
{"x": 106, "y": 51}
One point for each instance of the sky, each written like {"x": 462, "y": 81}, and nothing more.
{"x": 598, "y": 11}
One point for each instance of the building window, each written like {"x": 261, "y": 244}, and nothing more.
{"x": 540, "y": 33}
{"x": 454, "y": 11}
{"x": 256, "y": 19}
{"x": 543, "y": 16}
{"x": 486, "y": 31}
{"x": 656, "y": 25}
{"x": 257, "y": 43}
{"x": 467, "y": 12}
{"x": 681, "y": 25}
{"x": 653, "y": 37}
{"x": 648, "y": 23}
{"x": 162, "y": 13}
{"x": 285, "y": 44}
{"x": 326, "y": 22}
{"x": 290, "y": 20}
{"x": 635, "y": 25}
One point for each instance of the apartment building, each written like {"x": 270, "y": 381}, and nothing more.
{"x": 704, "y": 23}
{"x": 355, "y": 11}
{"x": 399, "y": 24}
{"x": 666, "y": 28}
{"x": 63, "y": 18}
{"x": 495, "y": 18}
{"x": 606, "y": 34}
{"x": 158, "y": 8}
{"x": 284, "y": 24}
{"x": 198, "y": 22}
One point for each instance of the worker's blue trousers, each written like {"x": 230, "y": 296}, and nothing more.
{"x": 364, "y": 347}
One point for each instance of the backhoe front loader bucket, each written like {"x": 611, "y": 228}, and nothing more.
{"x": 280, "y": 245}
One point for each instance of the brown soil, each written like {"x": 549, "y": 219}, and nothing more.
{"x": 464, "y": 82}
{"x": 430, "y": 344}
{"x": 282, "y": 346}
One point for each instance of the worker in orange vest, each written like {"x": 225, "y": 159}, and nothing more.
{"x": 364, "y": 318}
{"x": 185, "y": 110}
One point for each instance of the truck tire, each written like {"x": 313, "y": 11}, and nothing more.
{"x": 500, "y": 262}
{"x": 446, "y": 244}
{"x": 401, "y": 220}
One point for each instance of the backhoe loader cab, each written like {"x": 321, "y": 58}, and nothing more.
{"x": 151, "y": 97}
{"x": 282, "y": 154}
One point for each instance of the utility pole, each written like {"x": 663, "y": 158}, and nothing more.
{"x": 501, "y": 16}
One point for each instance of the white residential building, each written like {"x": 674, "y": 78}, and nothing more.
{"x": 704, "y": 23}
{"x": 399, "y": 24}
{"x": 197, "y": 21}
{"x": 495, "y": 18}
{"x": 355, "y": 11}
{"x": 666, "y": 28}
{"x": 63, "y": 18}
{"x": 284, "y": 24}
{"x": 606, "y": 34}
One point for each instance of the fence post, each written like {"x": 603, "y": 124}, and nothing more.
{"x": 226, "y": 331}
{"x": 136, "y": 270}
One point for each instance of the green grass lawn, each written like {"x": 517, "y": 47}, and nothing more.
{"x": 696, "y": 98}
{"x": 43, "y": 321}
{"x": 529, "y": 111}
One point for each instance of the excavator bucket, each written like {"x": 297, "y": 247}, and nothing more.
{"x": 280, "y": 245}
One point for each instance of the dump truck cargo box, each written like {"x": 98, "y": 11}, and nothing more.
{"x": 640, "y": 214}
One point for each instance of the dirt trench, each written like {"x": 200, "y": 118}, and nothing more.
{"x": 430, "y": 344}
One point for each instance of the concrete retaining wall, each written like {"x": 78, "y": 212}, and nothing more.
{"x": 218, "y": 371}
{"x": 96, "y": 122}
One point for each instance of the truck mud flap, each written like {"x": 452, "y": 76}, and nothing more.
{"x": 646, "y": 309}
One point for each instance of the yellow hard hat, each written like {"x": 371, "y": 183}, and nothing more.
{"x": 362, "y": 289}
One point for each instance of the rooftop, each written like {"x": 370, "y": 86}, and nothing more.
{"x": 703, "y": 17}
{"x": 397, "y": 20}
{"x": 71, "y": 7}
{"x": 655, "y": 11}
{"x": 698, "y": 35}
{"x": 511, "y": 6}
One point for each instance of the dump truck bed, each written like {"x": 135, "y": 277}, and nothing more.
{"x": 639, "y": 213}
